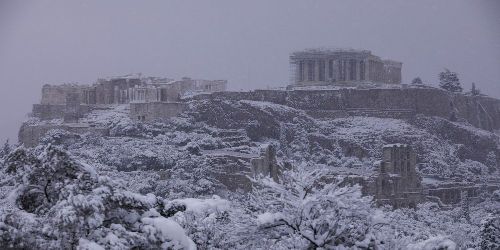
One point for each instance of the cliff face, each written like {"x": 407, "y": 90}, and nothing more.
{"x": 482, "y": 112}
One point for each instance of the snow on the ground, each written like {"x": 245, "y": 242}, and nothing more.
{"x": 268, "y": 218}
{"x": 205, "y": 205}
{"x": 438, "y": 242}
{"x": 358, "y": 125}
{"x": 104, "y": 116}
{"x": 269, "y": 105}
{"x": 169, "y": 230}
{"x": 84, "y": 244}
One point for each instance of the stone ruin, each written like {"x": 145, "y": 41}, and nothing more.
{"x": 398, "y": 184}
{"x": 266, "y": 164}
{"x": 60, "y": 100}
{"x": 150, "y": 98}
{"x": 312, "y": 67}
{"x": 399, "y": 103}
{"x": 235, "y": 168}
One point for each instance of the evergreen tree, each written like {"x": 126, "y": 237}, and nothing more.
{"x": 72, "y": 207}
{"x": 449, "y": 81}
{"x": 474, "y": 90}
{"x": 417, "y": 81}
{"x": 490, "y": 233}
{"x": 5, "y": 149}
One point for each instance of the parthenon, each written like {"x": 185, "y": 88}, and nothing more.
{"x": 328, "y": 66}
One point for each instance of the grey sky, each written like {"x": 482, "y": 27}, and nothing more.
{"x": 246, "y": 42}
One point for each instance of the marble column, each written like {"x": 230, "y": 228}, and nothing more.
{"x": 341, "y": 70}
{"x": 307, "y": 68}
{"x": 311, "y": 68}
{"x": 367, "y": 70}
{"x": 322, "y": 70}
{"x": 358, "y": 71}
{"x": 316, "y": 70}
{"x": 346, "y": 70}
{"x": 303, "y": 71}
{"x": 331, "y": 71}
{"x": 336, "y": 73}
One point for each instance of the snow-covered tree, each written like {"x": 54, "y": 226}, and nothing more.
{"x": 490, "y": 233}
{"x": 465, "y": 205}
{"x": 5, "y": 149}
{"x": 64, "y": 204}
{"x": 429, "y": 223}
{"x": 310, "y": 209}
{"x": 474, "y": 90}
{"x": 437, "y": 242}
{"x": 215, "y": 223}
{"x": 449, "y": 81}
{"x": 491, "y": 161}
{"x": 417, "y": 81}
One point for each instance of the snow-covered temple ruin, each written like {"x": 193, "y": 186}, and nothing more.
{"x": 341, "y": 66}
{"x": 149, "y": 97}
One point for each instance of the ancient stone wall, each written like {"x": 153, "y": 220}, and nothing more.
{"x": 482, "y": 112}
{"x": 266, "y": 164}
{"x": 210, "y": 85}
{"x": 50, "y": 112}
{"x": 56, "y": 94}
{"x": 392, "y": 72}
{"x": 172, "y": 92}
{"x": 72, "y": 111}
{"x": 155, "y": 110}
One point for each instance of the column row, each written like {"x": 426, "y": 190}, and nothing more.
{"x": 331, "y": 70}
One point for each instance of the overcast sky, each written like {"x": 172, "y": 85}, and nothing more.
{"x": 246, "y": 42}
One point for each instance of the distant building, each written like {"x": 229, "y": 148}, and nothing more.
{"x": 327, "y": 66}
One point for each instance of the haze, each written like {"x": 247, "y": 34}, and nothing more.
{"x": 245, "y": 42}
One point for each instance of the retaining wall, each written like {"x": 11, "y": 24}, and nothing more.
{"x": 482, "y": 112}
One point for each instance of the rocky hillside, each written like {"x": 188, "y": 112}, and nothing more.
{"x": 480, "y": 111}
{"x": 189, "y": 182}
{"x": 444, "y": 148}
{"x": 217, "y": 140}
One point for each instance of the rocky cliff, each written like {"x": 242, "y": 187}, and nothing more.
{"x": 222, "y": 136}
{"x": 482, "y": 112}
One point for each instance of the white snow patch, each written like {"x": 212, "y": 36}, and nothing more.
{"x": 438, "y": 242}
{"x": 395, "y": 145}
{"x": 268, "y": 218}
{"x": 84, "y": 244}
{"x": 269, "y": 105}
{"x": 205, "y": 205}
{"x": 170, "y": 230}
{"x": 378, "y": 217}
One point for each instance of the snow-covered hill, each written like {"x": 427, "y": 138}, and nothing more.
{"x": 209, "y": 151}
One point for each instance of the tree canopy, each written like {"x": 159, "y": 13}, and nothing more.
{"x": 449, "y": 81}
{"x": 417, "y": 81}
